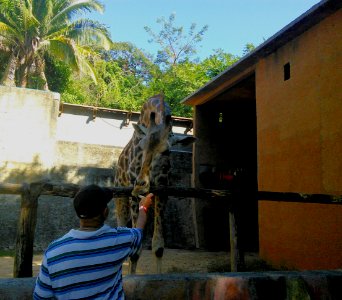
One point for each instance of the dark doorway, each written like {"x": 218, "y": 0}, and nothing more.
{"x": 227, "y": 159}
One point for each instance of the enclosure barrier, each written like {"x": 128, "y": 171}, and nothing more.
{"x": 28, "y": 212}
{"x": 31, "y": 192}
{"x": 314, "y": 285}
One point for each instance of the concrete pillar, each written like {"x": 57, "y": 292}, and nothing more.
{"x": 28, "y": 121}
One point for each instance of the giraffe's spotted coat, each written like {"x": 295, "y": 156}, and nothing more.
{"x": 145, "y": 162}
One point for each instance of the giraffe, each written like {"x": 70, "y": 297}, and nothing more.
{"x": 145, "y": 162}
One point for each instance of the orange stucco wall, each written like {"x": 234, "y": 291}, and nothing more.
{"x": 299, "y": 123}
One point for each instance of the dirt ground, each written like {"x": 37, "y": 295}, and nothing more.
{"x": 174, "y": 261}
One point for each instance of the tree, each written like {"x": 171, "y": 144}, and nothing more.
{"x": 175, "y": 45}
{"x": 218, "y": 62}
{"x": 249, "y": 47}
{"x": 58, "y": 74}
{"x": 132, "y": 60}
{"x": 30, "y": 29}
{"x": 123, "y": 74}
{"x": 176, "y": 83}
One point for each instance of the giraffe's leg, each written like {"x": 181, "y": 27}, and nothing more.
{"x": 158, "y": 239}
{"x": 133, "y": 262}
{"x": 134, "y": 210}
{"x": 122, "y": 211}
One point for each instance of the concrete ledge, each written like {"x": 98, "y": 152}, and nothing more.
{"x": 16, "y": 288}
{"x": 261, "y": 285}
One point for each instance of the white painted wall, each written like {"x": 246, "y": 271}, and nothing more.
{"x": 27, "y": 125}
{"x": 103, "y": 130}
{"x": 37, "y": 140}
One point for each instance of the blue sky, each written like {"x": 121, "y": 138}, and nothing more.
{"x": 232, "y": 23}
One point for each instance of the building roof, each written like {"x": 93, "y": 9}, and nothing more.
{"x": 95, "y": 109}
{"x": 301, "y": 24}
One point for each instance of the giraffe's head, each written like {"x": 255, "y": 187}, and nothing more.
{"x": 155, "y": 140}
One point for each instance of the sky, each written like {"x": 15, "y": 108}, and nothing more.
{"x": 231, "y": 23}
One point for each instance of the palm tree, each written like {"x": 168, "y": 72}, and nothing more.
{"x": 32, "y": 29}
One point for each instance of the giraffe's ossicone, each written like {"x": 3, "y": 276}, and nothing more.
{"x": 145, "y": 162}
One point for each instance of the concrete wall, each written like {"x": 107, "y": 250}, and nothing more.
{"x": 37, "y": 142}
{"x": 56, "y": 214}
{"x": 28, "y": 120}
{"x": 299, "y": 124}
{"x": 269, "y": 285}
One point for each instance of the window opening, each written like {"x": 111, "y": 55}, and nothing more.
{"x": 287, "y": 71}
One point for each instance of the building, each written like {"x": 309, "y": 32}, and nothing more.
{"x": 277, "y": 115}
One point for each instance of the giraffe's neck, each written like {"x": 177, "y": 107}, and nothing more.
{"x": 128, "y": 165}
{"x": 130, "y": 160}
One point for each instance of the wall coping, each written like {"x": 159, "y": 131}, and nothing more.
{"x": 241, "y": 285}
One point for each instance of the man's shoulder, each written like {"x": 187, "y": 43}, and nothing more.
{"x": 66, "y": 237}
{"x": 108, "y": 230}
{"x": 128, "y": 229}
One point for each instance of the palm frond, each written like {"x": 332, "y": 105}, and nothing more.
{"x": 33, "y": 27}
{"x": 88, "y": 32}
{"x": 86, "y": 69}
{"x": 65, "y": 10}
{"x": 43, "y": 11}
{"x": 67, "y": 50}
{"x": 62, "y": 49}
{"x": 10, "y": 35}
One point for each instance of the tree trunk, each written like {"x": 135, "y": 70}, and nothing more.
{"x": 23, "y": 76}
{"x": 30, "y": 59}
{"x": 40, "y": 67}
{"x": 8, "y": 78}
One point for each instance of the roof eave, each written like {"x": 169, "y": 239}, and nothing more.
{"x": 301, "y": 24}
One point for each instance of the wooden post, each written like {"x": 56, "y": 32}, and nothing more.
{"x": 237, "y": 256}
{"x": 194, "y": 222}
{"x": 236, "y": 253}
{"x": 26, "y": 229}
{"x": 234, "y": 250}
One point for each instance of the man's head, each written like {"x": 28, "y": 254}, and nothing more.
{"x": 91, "y": 201}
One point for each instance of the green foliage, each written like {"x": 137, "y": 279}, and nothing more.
{"x": 114, "y": 88}
{"x": 176, "y": 83}
{"x": 126, "y": 77}
{"x": 218, "y": 62}
{"x": 249, "y": 47}
{"x": 132, "y": 60}
{"x": 4, "y": 56}
{"x": 30, "y": 29}
{"x": 122, "y": 76}
{"x": 58, "y": 74}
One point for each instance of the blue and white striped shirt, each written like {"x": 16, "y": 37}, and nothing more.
{"x": 87, "y": 264}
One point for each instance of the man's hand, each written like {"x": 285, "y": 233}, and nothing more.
{"x": 144, "y": 205}
{"x": 146, "y": 202}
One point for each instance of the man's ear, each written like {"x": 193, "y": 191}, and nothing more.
{"x": 106, "y": 212}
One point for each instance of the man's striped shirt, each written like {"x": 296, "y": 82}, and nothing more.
{"x": 87, "y": 264}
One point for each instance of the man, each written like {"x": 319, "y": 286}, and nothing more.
{"x": 87, "y": 262}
